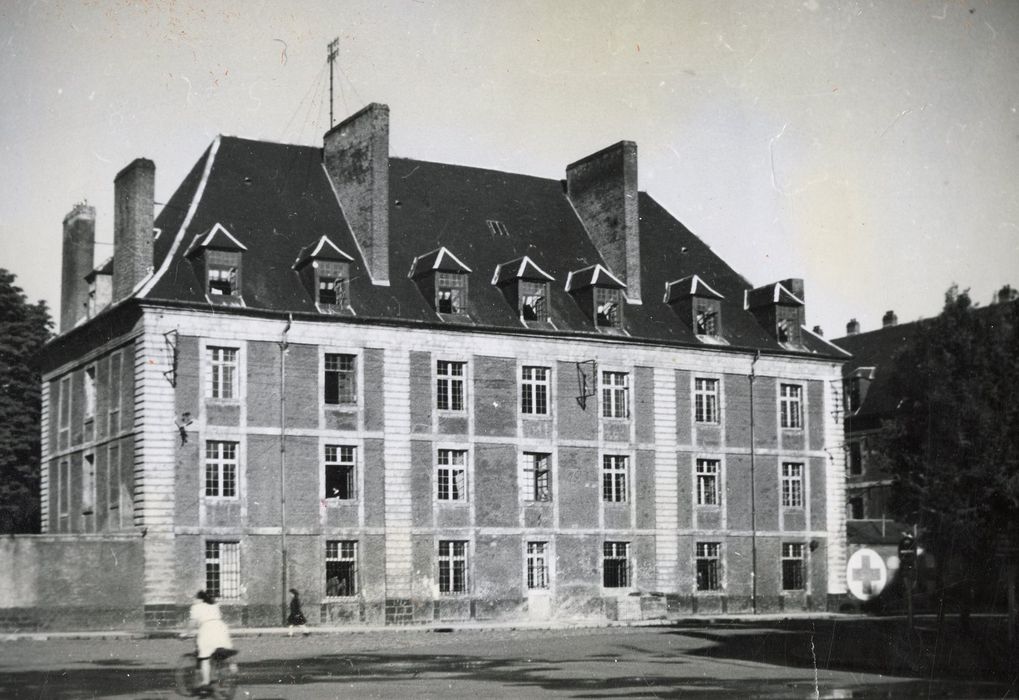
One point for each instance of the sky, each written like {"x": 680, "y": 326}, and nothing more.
{"x": 871, "y": 148}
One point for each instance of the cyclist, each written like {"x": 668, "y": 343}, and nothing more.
{"x": 212, "y": 634}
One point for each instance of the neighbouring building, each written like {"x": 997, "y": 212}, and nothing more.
{"x": 419, "y": 392}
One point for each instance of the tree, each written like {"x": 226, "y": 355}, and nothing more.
{"x": 952, "y": 446}
{"x": 25, "y": 328}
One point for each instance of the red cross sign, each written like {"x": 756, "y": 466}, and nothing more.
{"x": 866, "y": 574}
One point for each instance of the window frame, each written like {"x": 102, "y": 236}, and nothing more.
{"x": 530, "y": 289}
{"x": 223, "y": 570}
{"x": 535, "y": 393}
{"x": 222, "y": 359}
{"x": 114, "y": 389}
{"x": 708, "y": 554}
{"x": 855, "y": 508}
{"x": 537, "y": 565}
{"x": 451, "y": 287}
{"x": 222, "y": 266}
{"x": 454, "y": 557}
{"x": 63, "y": 489}
{"x": 613, "y": 317}
{"x": 790, "y": 399}
{"x": 338, "y": 272}
{"x": 340, "y": 462}
{"x": 618, "y": 553}
{"x": 222, "y": 465}
{"x": 447, "y": 490}
{"x": 792, "y": 485}
{"x": 707, "y": 482}
{"x": 533, "y": 476}
{"x": 854, "y": 458}
{"x": 615, "y": 397}
{"x": 64, "y": 412}
{"x": 707, "y": 400}
{"x": 89, "y": 394}
{"x": 113, "y": 485}
{"x": 707, "y": 317}
{"x": 88, "y": 483}
{"x": 344, "y": 554}
{"x": 794, "y": 566}
{"x": 787, "y": 325}
{"x": 450, "y": 387}
{"x": 338, "y": 382}
{"x": 615, "y": 478}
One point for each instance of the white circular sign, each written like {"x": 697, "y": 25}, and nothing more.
{"x": 866, "y": 574}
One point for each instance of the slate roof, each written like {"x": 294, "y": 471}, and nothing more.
{"x": 276, "y": 200}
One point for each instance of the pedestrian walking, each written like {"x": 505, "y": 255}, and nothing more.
{"x": 296, "y": 617}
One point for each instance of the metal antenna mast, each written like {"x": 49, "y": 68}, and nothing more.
{"x": 334, "y": 47}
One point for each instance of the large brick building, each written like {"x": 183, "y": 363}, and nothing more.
{"x": 419, "y": 391}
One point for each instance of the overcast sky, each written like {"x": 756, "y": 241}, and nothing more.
{"x": 870, "y": 148}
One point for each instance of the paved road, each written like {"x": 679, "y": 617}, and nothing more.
{"x": 702, "y": 661}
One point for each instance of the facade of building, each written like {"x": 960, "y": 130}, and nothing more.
{"x": 421, "y": 392}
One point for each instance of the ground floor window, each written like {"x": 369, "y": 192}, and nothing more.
{"x": 792, "y": 567}
{"x": 341, "y": 568}
{"x": 616, "y": 564}
{"x": 709, "y": 566}
{"x": 223, "y": 569}
{"x": 537, "y": 565}
{"x": 452, "y": 566}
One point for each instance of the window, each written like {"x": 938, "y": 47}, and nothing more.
{"x": 851, "y": 391}
{"x": 88, "y": 484}
{"x": 533, "y": 301}
{"x": 224, "y": 273}
{"x": 223, "y": 569}
{"x": 792, "y": 485}
{"x": 534, "y": 390}
{"x": 707, "y": 482}
{"x": 64, "y": 411}
{"x": 113, "y": 484}
{"x": 614, "y": 394}
{"x": 114, "y": 399}
{"x": 220, "y": 469}
{"x": 341, "y": 568}
{"x": 451, "y": 292}
{"x": 608, "y": 308}
{"x": 90, "y": 392}
{"x": 340, "y": 469}
{"x": 855, "y": 458}
{"x": 449, "y": 389}
{"x": 497, "y": 228}
{"x": 708, "y": 566}
{"x": 614, "y": 478}
{"x": 452, "y": 566}
{"x": 616, "y": 564}
{"x": 791, "y": 405}
{"x": 792, "y": 567}
{"x": 537, "y": 476}
{"x": 856, "y": 508}
{"x": 222, "y": 373}
{"x": 787, "y": 325}
{"x": 537, "y": 566}
{"x": 705, "y": 397}
{"x": 340, "y": 379}
{"x": 707, "y": 317}
{"x": 451, "y": 475}
{"x": 63, "y": 488}
{"x": 332, "y": 281}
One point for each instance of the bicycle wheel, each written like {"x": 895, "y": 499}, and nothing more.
{"x": 186, "y": 675}
{"x": 225, "y": 683}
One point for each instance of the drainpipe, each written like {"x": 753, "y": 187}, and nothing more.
{"x": 753, "y": 492}
{"x": 283, "y": 465}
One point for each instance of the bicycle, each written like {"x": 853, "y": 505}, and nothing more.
{"x": 222, "y": 675}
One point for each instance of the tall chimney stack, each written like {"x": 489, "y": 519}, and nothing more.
{"x": 356, "y": 155}
{"x": 853, "y": 327}
{"x": 133, "y": 215}
{"x": 79, "y": 244}
{"x": 603, "y": 190}
{"x": 889, "y": 319}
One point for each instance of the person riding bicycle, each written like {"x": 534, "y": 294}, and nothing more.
{"x": 212, "y": 634}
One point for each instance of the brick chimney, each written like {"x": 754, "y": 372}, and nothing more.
{"x": 133, "y": 214}
{"x": 79, "y": 244}
{"x": 1005, "y": 295}
{"x": 603, "y": 190}
{"x": 889, "y": 319}
{"x": 356, "y": 156}
{"x": 819, "y": 331}
{"x": 853, "y": 327}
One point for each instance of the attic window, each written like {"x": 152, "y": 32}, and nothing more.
{"x": 533, "y": 301}
{"x": 224, "y": 273}
{"x": 451, "y": 293}
{"x": 332, "y": 280}
{"x": 707, "y": 317}
{"x": 497, "y": 228}
{"x": 608, "y": 307}
{"x": 787, "y": 329}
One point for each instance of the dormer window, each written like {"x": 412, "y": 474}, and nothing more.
{"x": 442, "y": 279}
{"x": 787, "y": 325}
{"x": 699, "y": 306}
{"x": 600, "y": 294}
{"x": 526, "y": 287}
{"x": 779, "y": 309}
{"x": 217, "y": 256}
{"x": 324, "y": 270}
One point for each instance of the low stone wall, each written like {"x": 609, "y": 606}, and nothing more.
{"x": 71, "y": 582}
